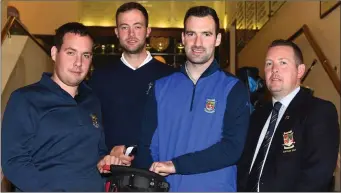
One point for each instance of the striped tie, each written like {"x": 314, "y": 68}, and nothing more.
{"x": 255, "y": 173}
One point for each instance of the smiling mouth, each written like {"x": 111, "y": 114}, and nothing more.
{"x": 76, "y": 72}
{"x": 132, "y": 41}
{"x": 198, "y": 51}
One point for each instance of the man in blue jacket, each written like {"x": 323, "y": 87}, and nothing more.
{"x": 196, "y": 120}
{"x": 52, "y": 138}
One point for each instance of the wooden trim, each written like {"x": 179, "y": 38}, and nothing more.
{"x": 320, "y": 55}
{"x": 236, "y": 64}
{"x": 6, "y": 28}
{"x": 11, "y": 21}
{"x": 296, "y": 34}
{"x": 272, "y": 13}
{"x": 322, "y": 15}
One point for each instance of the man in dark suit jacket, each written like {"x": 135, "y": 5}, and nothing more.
{"x": 293, "y": 142}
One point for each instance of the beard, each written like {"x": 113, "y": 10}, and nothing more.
{"x": 198, "y": 60}
{"x": 135, "y": 50}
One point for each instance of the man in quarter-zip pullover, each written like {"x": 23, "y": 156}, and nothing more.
{"x": 52, "y": 138}
{"x": 196, "y": 120}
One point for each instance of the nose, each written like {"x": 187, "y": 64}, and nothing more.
{"x": 274, "y": 68}
{"x": 78, "y": 60}
{"x": 131, "y": 32}
{"x": 198, "y": 41}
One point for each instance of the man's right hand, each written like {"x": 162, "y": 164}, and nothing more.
{"x": 118, "y": 151}
{"x": 107, "y": 161}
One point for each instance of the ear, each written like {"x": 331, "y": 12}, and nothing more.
{"x": 218, "y": 40}
{"x": 116, "y": 32}
{"x": 300, "y": 71}
{"x": 54, "y": 52}
{"x": 148, "y": 31}
{"x": 183, "y": 38}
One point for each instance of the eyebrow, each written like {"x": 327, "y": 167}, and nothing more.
{"x": 87, "y": 53}
{"x": 203, "y": 32}
{"x": 137, "y": 23}
{"x": 69, "y": 48}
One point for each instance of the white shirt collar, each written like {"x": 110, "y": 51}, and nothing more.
{"x": 287, "y": 99}
{"x": 148, "y": 59}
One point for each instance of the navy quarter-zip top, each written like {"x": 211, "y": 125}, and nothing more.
{"x": 52, "y": 141}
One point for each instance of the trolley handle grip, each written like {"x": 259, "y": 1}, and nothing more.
{"x": 106, "y": 167}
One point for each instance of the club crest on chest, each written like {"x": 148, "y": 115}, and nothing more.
{"x": 94, "y": 120}
{"x": 210, "y": 105}
{"x": 288, "y": 142}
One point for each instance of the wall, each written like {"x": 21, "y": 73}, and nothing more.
{"x": 3, "y": 21}
{"x": 30, "y": 63}
{"x": 11, "y": 51}
{"x": 232, "y": 43}
{"x": 3, "y": 13}
{"x": 285, "y": 23}
{"x": 43, "y": 17}
{"x": 231, "y": 10}
{"x": 161, "y": 13}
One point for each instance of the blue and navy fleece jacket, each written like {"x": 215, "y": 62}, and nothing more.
{"x": 51, "y": 141}
{"x": 200, "y": 127}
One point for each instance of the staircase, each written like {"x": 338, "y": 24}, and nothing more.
{"x": 23, "y": 59}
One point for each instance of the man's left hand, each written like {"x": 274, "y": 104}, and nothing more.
{"x": 163, "y": 168}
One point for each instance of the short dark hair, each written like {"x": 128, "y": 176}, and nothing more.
{"x": 202, "y": 11}
{"x": 297, "y": 51}
{"x": 72, "y": 27}
{"x": 130, "y": 6}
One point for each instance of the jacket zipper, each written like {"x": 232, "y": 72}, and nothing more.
{"x": 193, "y": 93}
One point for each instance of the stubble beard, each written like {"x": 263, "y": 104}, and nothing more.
{"x": 199, "y": 60}
{"x": 136, "y": 50}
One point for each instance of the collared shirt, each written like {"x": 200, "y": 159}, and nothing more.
{"x": 285, "y": 103}
{"x": 148, "y": 58}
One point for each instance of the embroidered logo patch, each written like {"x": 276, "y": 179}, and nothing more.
{"x": 288, "y": 141}
{"x": 210, "y": 105}
{"x": 94, "y": 120}
{"x": 150, "y": 85}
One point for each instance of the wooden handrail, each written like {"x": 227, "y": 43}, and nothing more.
{"x": 320, "y": 55}
{"x": 10, "y": 22}
{"x": 6, "y": 28}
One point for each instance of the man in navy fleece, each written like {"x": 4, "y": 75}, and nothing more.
{"x": 52, "y": 138}
{"x": 196, "y": 120}
{"x": 122, "y": 85}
